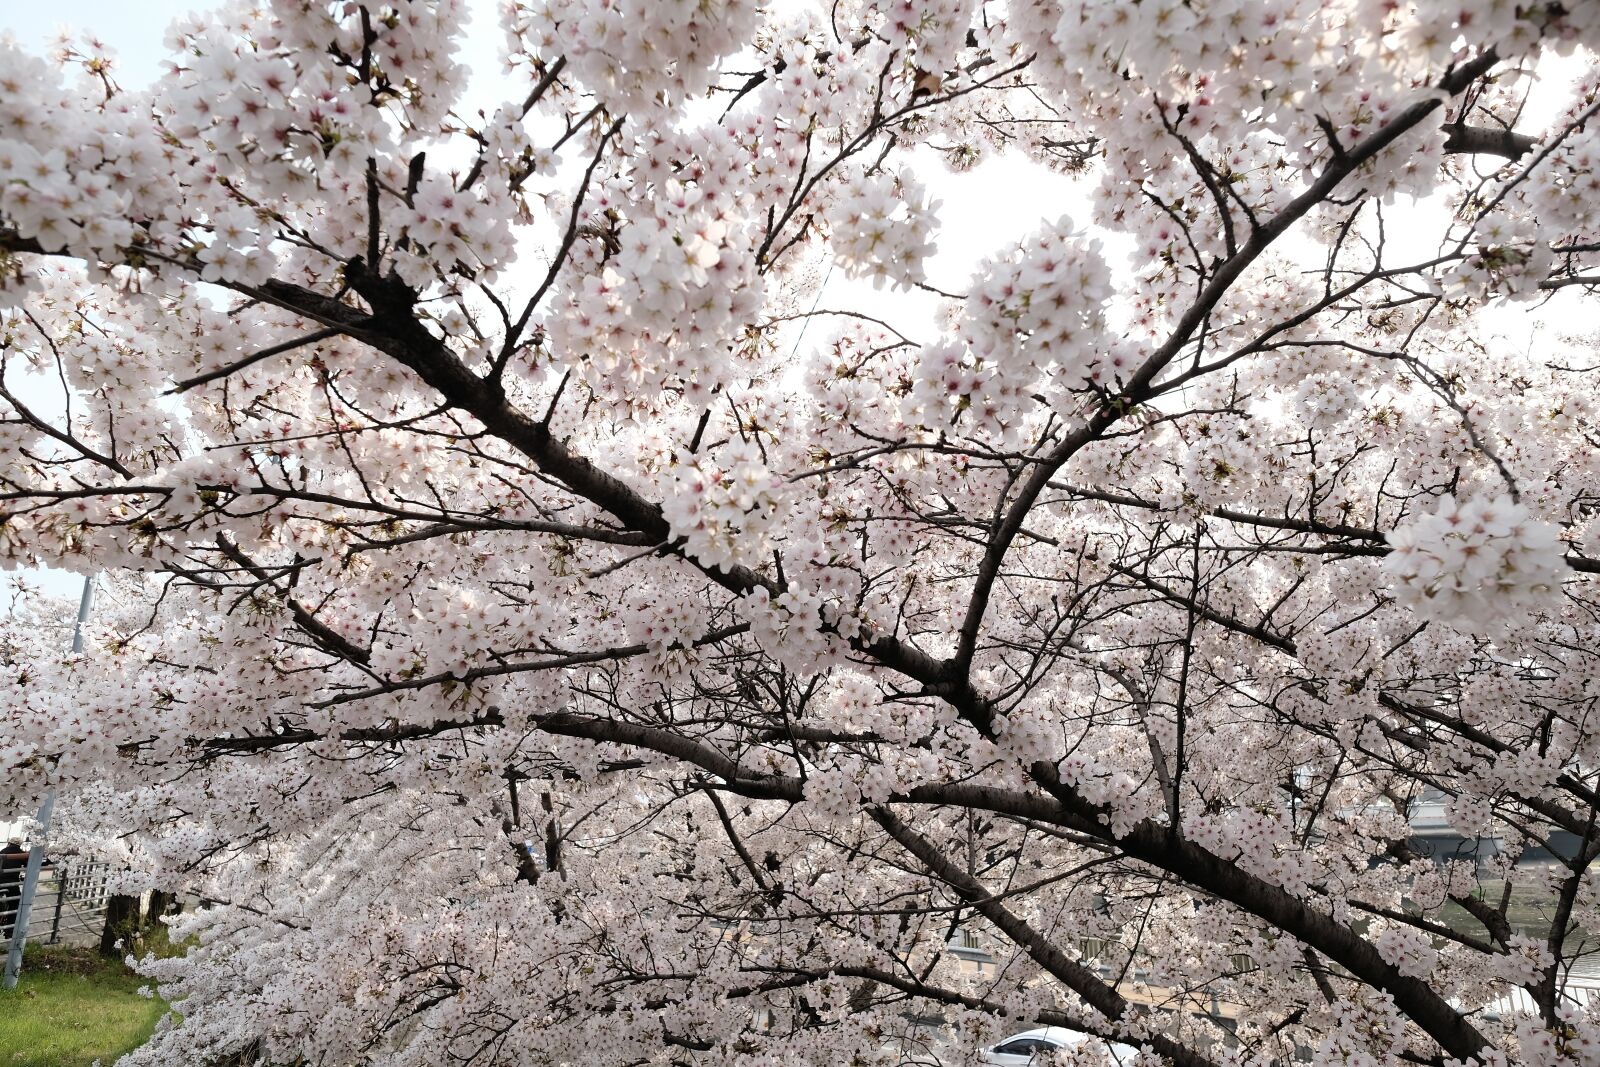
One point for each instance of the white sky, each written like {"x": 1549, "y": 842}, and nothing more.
{"x": 132, "y": 27}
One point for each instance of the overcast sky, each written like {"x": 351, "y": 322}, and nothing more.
{"x": 132, "y": 27}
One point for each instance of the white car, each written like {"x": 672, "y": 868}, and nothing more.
{"x": 1023, "y": 1050}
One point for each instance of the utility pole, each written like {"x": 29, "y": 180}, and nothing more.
{"x": 30, "y": 878}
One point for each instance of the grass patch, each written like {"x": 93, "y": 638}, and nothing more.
{"x": 71, "y": 1008}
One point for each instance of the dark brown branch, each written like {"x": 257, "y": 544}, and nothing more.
{"x": 255, "y": 357}
{"x": 331, "y": 641}
{"x": 364, "y": 735}
{"x": 1484, "y": 141}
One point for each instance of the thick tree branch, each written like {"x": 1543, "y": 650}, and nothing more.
{"x": 1481, "y": 140}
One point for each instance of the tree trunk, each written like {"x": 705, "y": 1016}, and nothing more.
{"x": 161, "y": 905}
{"x": 123, "y": 920}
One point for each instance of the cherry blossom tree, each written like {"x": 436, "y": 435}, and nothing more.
{"x": 546, "y": 633}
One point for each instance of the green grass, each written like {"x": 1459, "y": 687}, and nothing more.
{"x": 71, "y": 1008}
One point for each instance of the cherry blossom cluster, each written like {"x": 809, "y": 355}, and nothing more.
{"x": 724, "y": 507}
{"x": 1408, "y": 950}
{"x": 1479, "y": 563}
{"x": 794, "y": 626}
{"x": 451, "y": 231}
{"x": 1035, "y": 318}
{"x": 833, "y": 793}
{"x": 636, "y": 55}
{"x": 882, "y": 227}
{"x": 931, "y": 34}
{"x": 1509, "y": 260}
{"x": 651, "y": 314}
{"x": 74, "y": 172}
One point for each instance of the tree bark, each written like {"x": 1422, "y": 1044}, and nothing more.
{"x": 124, "y": 919}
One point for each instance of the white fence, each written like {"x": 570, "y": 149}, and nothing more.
{"x": 1580, "y": 989}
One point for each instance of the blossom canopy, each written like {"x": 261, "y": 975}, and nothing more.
{"x": 596, "y": 571}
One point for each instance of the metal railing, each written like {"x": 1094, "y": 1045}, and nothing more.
{"x": 69, "y": 904}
